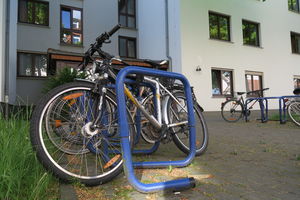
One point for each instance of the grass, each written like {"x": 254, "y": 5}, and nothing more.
{"x": 21, "y": 175}
{"x": 276, "y": 117}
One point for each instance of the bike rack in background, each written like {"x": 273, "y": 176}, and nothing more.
{"x": 282, "y": 107}
{"x": 129, "y": 165}
{"x": 264, "y": 107}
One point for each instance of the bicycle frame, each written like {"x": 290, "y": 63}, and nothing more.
{"x": 157, "y": 123}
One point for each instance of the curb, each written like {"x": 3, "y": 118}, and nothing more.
{"x": 67, "y": 192}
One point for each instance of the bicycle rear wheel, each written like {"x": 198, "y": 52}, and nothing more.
{"x": 177, "y": 113}
{"x": 294, "y": 112}
{"x": 59, "y": 133}
{"x": 232, "y": 110}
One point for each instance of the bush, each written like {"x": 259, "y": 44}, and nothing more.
{"x": 65, "y": 75}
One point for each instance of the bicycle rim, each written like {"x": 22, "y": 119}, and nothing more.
{"x": 294, "y": 112}
{"x": 67, "y": 148}
{"x": 232, "y": 111}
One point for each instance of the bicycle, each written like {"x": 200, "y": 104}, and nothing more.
{"x": 74, "y": 127}
{"x": 293, "y": 107}
{"x": 233, "y": 109}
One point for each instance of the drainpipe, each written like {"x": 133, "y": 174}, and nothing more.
{"x": 167, "y": 35}
{"x": 6, "y": 67}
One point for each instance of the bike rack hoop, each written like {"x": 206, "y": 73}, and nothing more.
{"x": 128, "y": 164}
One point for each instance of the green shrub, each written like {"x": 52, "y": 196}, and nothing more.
{"x": 65, "y": 75}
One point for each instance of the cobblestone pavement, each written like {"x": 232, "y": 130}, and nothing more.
{"x": 244, "y": 161}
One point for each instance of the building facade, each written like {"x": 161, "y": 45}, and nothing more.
{"x": 45, "y": 36}
{"x": 232, "y": 46}
{"x": 221, "y": 46}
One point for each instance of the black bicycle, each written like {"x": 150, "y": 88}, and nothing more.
{"x": 233, "y": 109}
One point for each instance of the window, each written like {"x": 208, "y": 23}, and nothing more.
{"x": 127, "y": 13}
{"x": 295, "y": 40}
{"x": 294, "y": 5}
{"x": 127, "y": 47}
{"x": 32, "y": 65}
{"x": 33, "y": 12}
{"x": 253, "y": 82}
{"x": 251, "y": 33}
{"x": 71, "y": 26}
{"x": 219, "y": 26}
{"x": 297, "y": 82}
{"x": 222, "y": 82}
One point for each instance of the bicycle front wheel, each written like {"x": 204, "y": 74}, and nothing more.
{"x": 65, "y": 141}
{"x": 232, "y": 111}
{"x": 294, "y": 112}
{"x": 177, "y": 112}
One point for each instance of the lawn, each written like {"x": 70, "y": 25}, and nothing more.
{"x": 21, "y": 175}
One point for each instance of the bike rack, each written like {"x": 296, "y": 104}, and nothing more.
{"x": 282, "y": 107}
{"x": 264, "y": 107}
{"x": 128, "y": 164}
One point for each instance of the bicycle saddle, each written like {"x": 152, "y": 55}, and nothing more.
{"x": 296, "y": 91}
{"x": 241, "y": 93}
{"x": 155, "y": 64}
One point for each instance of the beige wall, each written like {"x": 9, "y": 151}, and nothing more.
{"x": 274, "y": 59}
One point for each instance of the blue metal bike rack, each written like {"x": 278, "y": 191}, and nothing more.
{"x": 282, "y": 107}
{"x": 264, "y": 109}
{"x": 129, "y": 165}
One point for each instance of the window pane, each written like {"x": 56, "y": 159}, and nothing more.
{"x": 30, "y": 12}
{"x": 77, "y": 38}
{"x": 131, "y": 49}
{"x": 66, "y": 19}
{"x": 216, "y": 82}
{"x": 63, "y": 64}
{"x": 40, "y": 65}
{"x": 123, "y": 20}
{"x": 122, "y": 47}
{"x": 224, "y": 32}
{"x": 226, "y": 83}
{"x": 293, "y": 5}
{"x": 131, "y": 22}
{"x": 296, "y": 82}
{"x": 23, "y": 13}
{"x": 295, "y": 39}
{"x": 122, "y": 6}
{"x": 66, "y": 37}
{"x": 41, "y": 13}
{"x": 248, "y": 83}
{"x": 76, "y": 19}
{"x": 131, "y": 7}
{"x": 25, "y": 64}
{"x": 250, "y": 33}
{"x": 256, "y": 82}
{"x": 213, "y": 26}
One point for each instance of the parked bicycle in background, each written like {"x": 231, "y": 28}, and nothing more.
{"x": 233, "y": 109}
{"x": 293, "y": 107}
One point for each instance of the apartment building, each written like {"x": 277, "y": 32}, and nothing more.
{"x": 231, "y": 46}
{"x": 223, "y": 47}
{"x": 43, "y": 36}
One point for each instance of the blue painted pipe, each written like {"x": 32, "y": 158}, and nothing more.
{"x": 123, "y": 127}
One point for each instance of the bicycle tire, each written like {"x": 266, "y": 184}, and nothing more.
{"x": 232, "y": 110}
{"x": 99, "y": 159}
{"x": 180, "y": 137}
{"x": 294, "y": 112}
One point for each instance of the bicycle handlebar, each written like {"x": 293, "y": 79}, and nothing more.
{"x": 114, "y": 29}
{"x": 96, "y": 47}
{"x": 256, "y": 91}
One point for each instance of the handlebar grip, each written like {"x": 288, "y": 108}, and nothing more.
{"x": 115, "y": 29}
